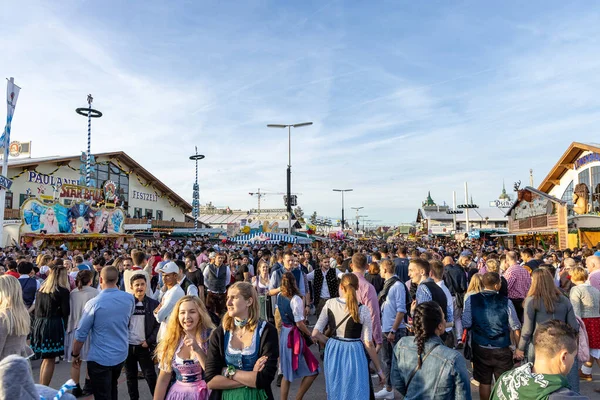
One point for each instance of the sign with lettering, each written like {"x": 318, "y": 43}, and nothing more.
{"x": 81, "y": 192}
{"x": 44, "y": 179}
{"x": 589, "y": 158}
{"x": 5, "y": 182}
{"x": 144, "y": 196}
{"x": 501, "y": 203}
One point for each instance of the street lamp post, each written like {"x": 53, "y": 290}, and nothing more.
{"x": 196, "y": 194}
{"x": 342, "y": 191}
{"x": 468, "y": 205}
{"x": 289, "y": 167}
{"x": 357, "y": 210}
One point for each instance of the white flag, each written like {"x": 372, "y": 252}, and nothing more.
{"x": 12, "y": 94}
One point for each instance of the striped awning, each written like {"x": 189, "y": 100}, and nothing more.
{"x": 266, "y": 238}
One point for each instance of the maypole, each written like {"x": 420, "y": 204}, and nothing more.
{"x": 90, "y": 113}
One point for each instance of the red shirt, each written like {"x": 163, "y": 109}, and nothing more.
{"x": 13, "y": 273}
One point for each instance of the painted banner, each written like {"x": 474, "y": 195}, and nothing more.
{"x": 231, "y": 230}
{"x": 12, "y": 94}
{"x": 77, "y": 218}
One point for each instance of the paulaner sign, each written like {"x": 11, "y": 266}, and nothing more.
{"x": 586, "y": 160}
{"x": 44, "y": 179}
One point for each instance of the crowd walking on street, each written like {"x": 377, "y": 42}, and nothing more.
{"x": 374, "y": 320}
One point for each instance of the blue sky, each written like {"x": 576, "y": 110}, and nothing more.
{"x": 405, "y": 97}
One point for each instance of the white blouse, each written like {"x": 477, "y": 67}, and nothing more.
{"x": 338, "y": 308}
{"x": 297, "y": 306}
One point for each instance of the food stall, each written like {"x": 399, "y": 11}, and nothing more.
{"x": 538, "y": 219}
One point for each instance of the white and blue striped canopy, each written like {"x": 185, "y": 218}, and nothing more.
{"x": 272, "y": 238}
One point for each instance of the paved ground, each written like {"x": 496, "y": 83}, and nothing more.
{"x": 317, "y": 391}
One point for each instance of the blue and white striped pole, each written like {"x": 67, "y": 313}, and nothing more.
{"x": 196, "y": 193}
{"x": 88, "y": 161}
{"x": 90, "y": 113}
{"x": 197, "y": 196}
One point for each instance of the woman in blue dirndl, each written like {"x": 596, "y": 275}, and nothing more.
{"x": 345, "y": 360}
{"x": 295, "y": 358}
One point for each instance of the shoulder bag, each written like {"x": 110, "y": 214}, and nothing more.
{"x": 414, "y": 371}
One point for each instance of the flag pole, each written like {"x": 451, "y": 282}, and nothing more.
{"x": 12, "y": 94}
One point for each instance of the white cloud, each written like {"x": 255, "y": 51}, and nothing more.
{"x": 392, "y": 119}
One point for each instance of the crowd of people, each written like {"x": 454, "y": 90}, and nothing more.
{"x": 198, "y": 320}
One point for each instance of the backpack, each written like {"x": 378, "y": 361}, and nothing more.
{"x": 583, "y": 347}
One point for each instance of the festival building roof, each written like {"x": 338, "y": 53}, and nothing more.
{"x": 475, "y": 214}
{"x": 122, "y": 157}
{"x": 565, "y": 163}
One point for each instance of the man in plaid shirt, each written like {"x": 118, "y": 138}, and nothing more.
{"x": 518, "y": 280}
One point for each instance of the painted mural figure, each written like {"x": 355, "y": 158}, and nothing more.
{"x": 581, "y": 195}
{"x": 48, "y": 221}
{"x": 80, "y": 218}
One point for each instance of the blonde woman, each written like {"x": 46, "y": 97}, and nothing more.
{"x": 586, "y": 305}
{"x": 14, "y": 319}
{"x": 183, "y": 349}
{"x": 243, "y": 351}
{"x": 51, "y": 316}
{"x": 475, "y": 286}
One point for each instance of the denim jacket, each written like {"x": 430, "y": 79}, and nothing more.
{"x": 443, "y": 374}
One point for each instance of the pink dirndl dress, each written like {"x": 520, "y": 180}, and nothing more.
{"x": 190, "y": 384}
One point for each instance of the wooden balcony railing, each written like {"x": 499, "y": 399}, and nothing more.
{"x": 160, "y": 224}
{"x": 12, "y": 213}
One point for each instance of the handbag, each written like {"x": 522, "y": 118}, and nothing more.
{"x": 467, "y": 350}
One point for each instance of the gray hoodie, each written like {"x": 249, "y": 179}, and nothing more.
{"x": 17, "y": 382}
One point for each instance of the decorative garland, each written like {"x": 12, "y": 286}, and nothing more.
{"x": 36, "y": 171}
{"x": 119, "y": 165}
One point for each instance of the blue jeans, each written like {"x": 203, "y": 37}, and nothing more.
{"x": 387, "y": 350}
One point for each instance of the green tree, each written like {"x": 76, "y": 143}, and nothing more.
{"x": 313, "y": 218}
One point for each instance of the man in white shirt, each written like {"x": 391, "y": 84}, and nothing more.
{"x": 326, "y": 283}
{"x": 169, "y": 272}
{"x": 186, "y": 285}
{"x": 392, "y": 300}
{"x": 437, "y": 274}
{"x": 134, "y": 266}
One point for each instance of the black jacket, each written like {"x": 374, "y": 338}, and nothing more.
{"x": 151, "y": 325}
{"x": 455, "y": 279}
{"x": 215, "y": 360}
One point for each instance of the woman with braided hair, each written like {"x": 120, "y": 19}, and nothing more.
{"x": 422, "y": 367}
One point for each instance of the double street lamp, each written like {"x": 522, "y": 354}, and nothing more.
{"x": 289, "y": 167}
{"x": 357, "y": 210}
{"x": 342, "y": 192}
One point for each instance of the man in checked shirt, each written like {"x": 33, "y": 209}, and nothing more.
{"x": 518, "y": 280}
